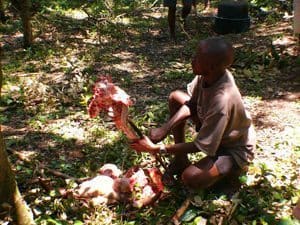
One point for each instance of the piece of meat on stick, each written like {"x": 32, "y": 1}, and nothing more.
{"x": 112, "y": 99}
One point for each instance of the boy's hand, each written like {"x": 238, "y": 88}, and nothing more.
{"x": 145, "y": 145}
{"x": 158, "y": 134}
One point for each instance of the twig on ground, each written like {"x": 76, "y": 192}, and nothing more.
{"x": 184, "y": 31}
{"x": 176, "y": 217}
{"x": 55, "y": 172}
{"x": 236, "y": 202}
{"x": 62, "y": 175}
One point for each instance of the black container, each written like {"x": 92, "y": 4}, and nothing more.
{"x": 232, "y": 17}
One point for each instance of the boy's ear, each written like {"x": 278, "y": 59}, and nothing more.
{"x": 217, "y": 67}
{"x": 214, "y": 66}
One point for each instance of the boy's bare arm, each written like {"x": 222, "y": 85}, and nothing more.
{"x": 158, "y": 134}
{"x": 184, "y": 148}
{"x": 146, "y": 145}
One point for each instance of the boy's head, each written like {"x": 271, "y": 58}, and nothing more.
{"x": 213, "y": 55}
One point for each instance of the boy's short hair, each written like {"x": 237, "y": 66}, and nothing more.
{"x": 218, "y": 49}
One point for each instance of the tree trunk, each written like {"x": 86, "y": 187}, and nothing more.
{"x": 11, "y": 202}
{"x": 2, "y": 13}
{"x": 27, "y": 29}
{"x": 25, "y": 13}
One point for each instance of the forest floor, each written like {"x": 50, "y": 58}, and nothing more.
{"x": 47, "y": 128}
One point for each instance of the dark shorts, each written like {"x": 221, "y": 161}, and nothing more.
{"x": 225, "y": 164}
{"x": 229, "y": 174}
{"x": 172, "y": 3}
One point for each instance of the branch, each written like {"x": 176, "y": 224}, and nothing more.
{"x": 181, "y": 25}
{"x": 62, "y": 175}
{"x": 140, "y": 134}
{"x": 176, "y": 217}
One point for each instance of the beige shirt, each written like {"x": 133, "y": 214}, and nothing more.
{"x": 225, "y": 123}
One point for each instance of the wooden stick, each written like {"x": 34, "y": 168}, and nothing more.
{"x": 135, "y": 128}
{"x": 184, "y": 31}
{"x": 176, "y": 217}
{"x": 62, "y": 175}
{"x": 140, "y": 134}
{"x": 56, "y": 173}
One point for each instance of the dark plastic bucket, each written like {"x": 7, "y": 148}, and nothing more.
{"x": 232, "y": 17}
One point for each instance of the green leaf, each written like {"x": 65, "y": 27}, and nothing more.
{"x": 189, "y": 215}
{"x": 243, "y": 179}
{"x": 130, "y": 223}
{"x": 286, "y": 221}
{"x": 52, "y": 193}
{"x": 51, "y": 221}
{"x": 277, "y": 195}
{"x": 199, "y": 220}
{"x": 78, "y": 222}
{"x": 269, "y": 219}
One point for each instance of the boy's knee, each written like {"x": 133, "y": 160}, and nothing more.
{"x": 192, "y": 179}
{"x": 196, "y": 178}
{"x": 188, "y": 178}
{"x": 173, "y": 95}
{"x": 178, "y": 97}
{"x": 174, "y": 100}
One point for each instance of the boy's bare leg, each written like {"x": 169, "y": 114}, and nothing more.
{"x": 202, "y": 175}
{"x": 176, "y": 100}
{"x": 180, "y": 161}
{"x": 222, "y": 175}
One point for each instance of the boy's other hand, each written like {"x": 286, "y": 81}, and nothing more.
{"x": 157, "y": 134}
{"x": 144, "y": 145}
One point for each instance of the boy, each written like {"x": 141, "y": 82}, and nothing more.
{"x": 224, "y": 127}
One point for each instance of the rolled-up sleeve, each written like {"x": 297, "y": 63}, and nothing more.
{"x": 192, "y": 90}
{"x": 192, "y": 86}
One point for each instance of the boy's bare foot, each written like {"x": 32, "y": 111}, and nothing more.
{"x": 229, "y": 185}
{"x": 176, "y": 167}
{"x": 168, "y": 180}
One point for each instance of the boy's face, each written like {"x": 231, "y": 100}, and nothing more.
{"x": 200, "y": 63}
